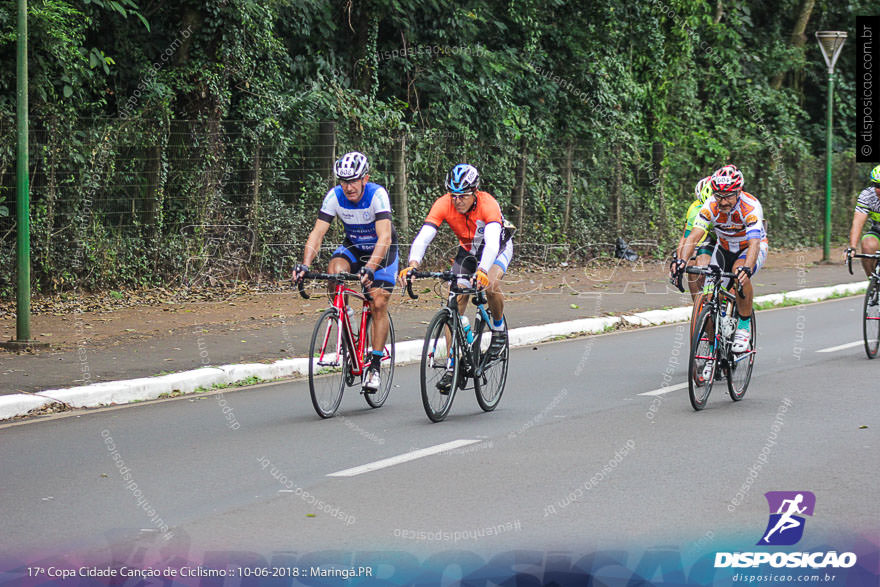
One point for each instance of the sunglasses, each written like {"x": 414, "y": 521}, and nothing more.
{"x": 460, "y": 196}
{"x": 725, "y": 195}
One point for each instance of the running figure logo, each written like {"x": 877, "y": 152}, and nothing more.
{"x": 786, "y": 526}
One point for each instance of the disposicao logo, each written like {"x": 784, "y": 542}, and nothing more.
{"x": 786, "y": 524}
{"x": 785, "y": 528}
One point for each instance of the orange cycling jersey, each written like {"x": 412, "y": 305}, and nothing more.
{"x": 468, "y": 227}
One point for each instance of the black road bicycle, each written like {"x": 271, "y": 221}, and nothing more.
{"x": 447, "y": 348}
{"x": 712, "y": 341}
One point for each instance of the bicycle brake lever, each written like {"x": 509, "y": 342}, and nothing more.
{"x": 302, "y": 289}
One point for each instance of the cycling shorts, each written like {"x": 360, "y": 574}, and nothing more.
{"x": 465, "y": 262}
{"x": 385, "y": 274}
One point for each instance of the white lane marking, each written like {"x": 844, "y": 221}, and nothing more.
{"x": 848, "y": 345}
{"x": 667, "y": 389}
{"x": 405, "y": 457}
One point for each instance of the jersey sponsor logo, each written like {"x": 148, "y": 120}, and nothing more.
{"x": 705, "y": 215}
{"x": 751, "y": 220}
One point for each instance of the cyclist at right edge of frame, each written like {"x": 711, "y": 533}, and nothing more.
{"x": 738, "y": 220}
{"x": 475, "y": 218}
{"x": 868, "y": 206}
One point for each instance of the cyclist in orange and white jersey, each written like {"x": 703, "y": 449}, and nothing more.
{"x": 738, "y": 221}
{"x": 485, "y": 244}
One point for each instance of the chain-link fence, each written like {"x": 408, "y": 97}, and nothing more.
{"x": 137, "y": 202}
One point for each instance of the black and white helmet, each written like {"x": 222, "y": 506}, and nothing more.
{"x": 351, "y": 166}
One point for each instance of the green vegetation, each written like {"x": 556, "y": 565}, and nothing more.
{"x": 186, "y": 143}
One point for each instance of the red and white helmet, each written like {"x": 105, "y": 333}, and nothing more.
{"x": 727, "y": 179}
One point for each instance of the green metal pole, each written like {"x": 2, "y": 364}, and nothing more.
{"x": 22, "y": 201}
{"x": 826, "y": 252}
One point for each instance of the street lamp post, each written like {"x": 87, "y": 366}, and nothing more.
{"x": 831, "y": 43}
{"x": 22, "y": 198}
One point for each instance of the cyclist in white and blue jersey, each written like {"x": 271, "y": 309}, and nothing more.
{"x": 369, "y": 249}
{"x": 867, "y": 206}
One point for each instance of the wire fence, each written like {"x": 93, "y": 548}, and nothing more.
{"x": 139, "y": 202}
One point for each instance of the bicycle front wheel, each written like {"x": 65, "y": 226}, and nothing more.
{"x": 703, "y": 361}
{"x": 490, "y": 373}
{"x": 739, "y": 367}
{"x": 386, "y": 365}
{"x": 871, "y": 321}
{"x": 440, "y": 354}
{"x": 328, "y": 364}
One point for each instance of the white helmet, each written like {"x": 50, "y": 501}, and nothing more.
{"x": 351, "y": 166}
{"x": 702, "y": 189}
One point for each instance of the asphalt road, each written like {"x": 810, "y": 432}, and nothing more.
{"x": 575, "y": 458}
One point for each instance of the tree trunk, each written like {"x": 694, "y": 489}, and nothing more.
{"x": 719, "y": 11}
{"x": 798, "y": 38}
{"x": 398, "y": 189}
{"x": 520, "y": 190}
{"x": 254, "y": 219}
{"x": 569, "y": 155}
{"x": 154, "y": 171}
{"x": 657, "y": 155}
{"x": 327, "y": 149}
{"x": 616, "y": 186}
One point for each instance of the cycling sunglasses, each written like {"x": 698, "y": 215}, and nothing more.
{"x": 460, "y": 196}
{"x": 725, "y": 195}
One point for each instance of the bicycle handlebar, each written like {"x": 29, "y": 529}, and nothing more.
{"x": 849, "y": 259}
{"x": 341, "y": 276}
{"x": 716, "y": 271}
{"x": 441, "y": 275}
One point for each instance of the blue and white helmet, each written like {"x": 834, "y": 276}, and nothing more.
{"x": 351, "y": 166}
{"x": 462, "y": 179}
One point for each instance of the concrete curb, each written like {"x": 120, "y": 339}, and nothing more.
{"x": 120, "y": 392}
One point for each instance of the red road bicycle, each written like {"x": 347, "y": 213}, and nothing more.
{"x": 339, "y": 353}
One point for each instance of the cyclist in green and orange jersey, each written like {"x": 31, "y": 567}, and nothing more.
{"x": 867, "y": 206}
{"x": 705, "y": 245}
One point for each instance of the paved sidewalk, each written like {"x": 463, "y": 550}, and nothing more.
{"x": 538, "y": 301}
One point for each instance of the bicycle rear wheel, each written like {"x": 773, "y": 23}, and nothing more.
{"x": 739, "y": 367}
{"x": 328, "y": 364}
{"x": 490, "y": 374}
{"x": 703, "y": 354}
{"x": 386, "y": 369}
{"x": 871, "y": 319}
{"x": 436, "y": 360}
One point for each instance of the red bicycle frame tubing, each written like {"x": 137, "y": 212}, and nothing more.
{"x": 355, "y": 344}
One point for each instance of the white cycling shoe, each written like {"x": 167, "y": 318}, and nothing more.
{"x": 741, "y": 340}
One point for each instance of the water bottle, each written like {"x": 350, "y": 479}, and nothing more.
{"x": 728, "y": 326}
{"x": 466, "y": 325}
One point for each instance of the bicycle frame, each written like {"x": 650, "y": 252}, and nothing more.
{"x": 715, "y": 297}
{"x": 479, "y": 300}
{"x": 356, "y": 344}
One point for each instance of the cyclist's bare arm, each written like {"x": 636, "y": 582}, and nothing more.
{"x": 690, "y": 244}
{"x": 316, "y": 237}
{"x": 680, "y": 245}
{"x": 858, "y": 223}
{"x": 383, "y": 232}
{"x": 752, "y": 252}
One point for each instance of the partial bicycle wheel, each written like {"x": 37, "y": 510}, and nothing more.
{"x": 328, "y": 364}
{"x": 437, "y": 359}
{"x": 739, "y": 367}
{"x": 490, "y": 373}
{"x": 386, "y": 365}
{"x": 703, "y": 360}
{"x": 871, "y": 319}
